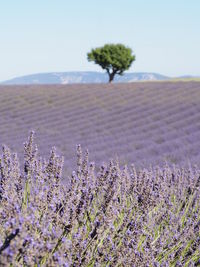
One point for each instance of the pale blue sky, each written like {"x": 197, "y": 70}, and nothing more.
{"x": 55, "y": 35}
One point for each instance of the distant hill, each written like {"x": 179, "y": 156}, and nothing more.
{"x": 83, "y": 77}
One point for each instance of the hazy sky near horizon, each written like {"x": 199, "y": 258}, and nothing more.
{"x": 55, "y": 35}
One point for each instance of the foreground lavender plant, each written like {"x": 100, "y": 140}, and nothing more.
{"x": 112, "y": 217}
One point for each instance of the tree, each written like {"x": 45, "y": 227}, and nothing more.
{"x": 114, "y": 58}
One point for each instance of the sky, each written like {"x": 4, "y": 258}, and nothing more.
{"x": 56, "y": 35}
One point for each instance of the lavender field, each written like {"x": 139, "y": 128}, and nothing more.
{"x": 132, "y": 200}
{"x": 141, "y": 123}
{"x": 114, "y": 217}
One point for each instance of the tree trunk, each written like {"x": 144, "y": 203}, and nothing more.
{"x": 111, "y": 77}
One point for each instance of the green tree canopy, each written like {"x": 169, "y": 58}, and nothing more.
{"x": 114, "y": 58}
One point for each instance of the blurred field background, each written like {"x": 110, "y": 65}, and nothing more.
{"x": 141, "y": 123}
